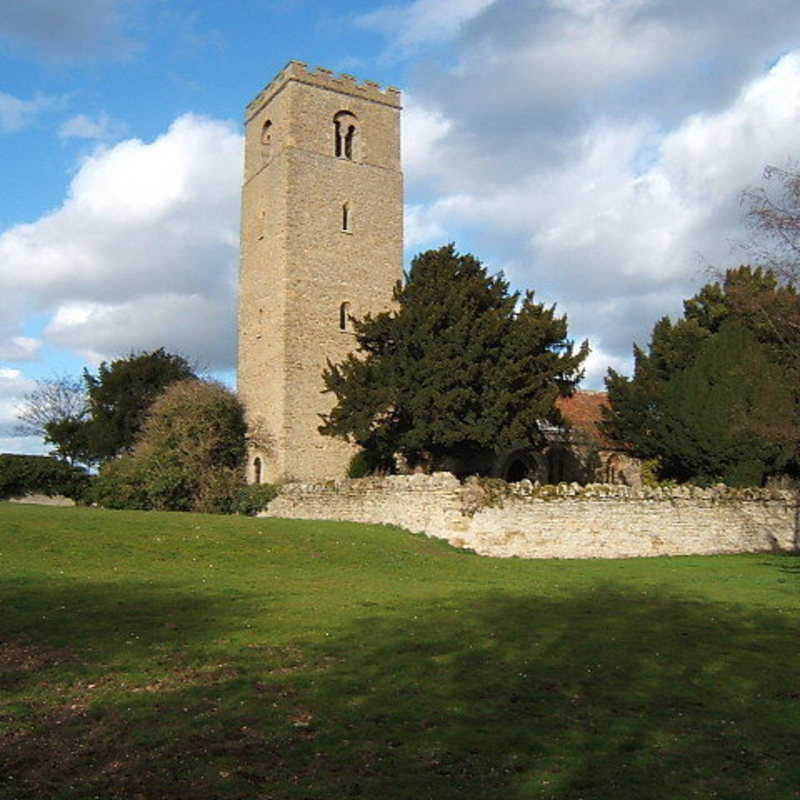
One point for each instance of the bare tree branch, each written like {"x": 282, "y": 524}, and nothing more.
{"x": 56, "y": 400}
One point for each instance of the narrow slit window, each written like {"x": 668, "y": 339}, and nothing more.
{"x": 346, "y": 218}
{"x": 266, "y": 141}
{"x": 344, "y": 317}
{"x": 257, "y": 470}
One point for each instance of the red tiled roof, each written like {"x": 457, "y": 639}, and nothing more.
{"x": 583, "y": 412}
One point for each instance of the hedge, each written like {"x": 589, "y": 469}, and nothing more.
{"x": 21, "y": 475}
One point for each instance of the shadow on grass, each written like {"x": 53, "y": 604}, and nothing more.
{"x": 786, "y": 562}
{"x": 489, "y": 695}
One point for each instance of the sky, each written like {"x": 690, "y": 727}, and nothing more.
{"x": 592, "y": 150}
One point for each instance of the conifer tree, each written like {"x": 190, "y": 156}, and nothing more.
{"x": 640, "y": 406}
{"x": 729, "y": 416}
{"x": 460, "y": 367}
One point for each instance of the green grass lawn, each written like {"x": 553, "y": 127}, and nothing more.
{"x": 153, "y": 656}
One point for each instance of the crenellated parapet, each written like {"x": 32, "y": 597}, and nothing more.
{"x": 325, "y": 79}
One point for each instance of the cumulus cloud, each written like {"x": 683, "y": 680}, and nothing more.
{"x": 422, "y": 130}
{"x": 20, "y": 348}
{"x": 596, "y": 149}
{"x": 423, "y": 21}
{"x": 143, "y": 251}
{"x": 16, "y": 114}
{"x": 99, "y": 128}
{"x": 57, "y": 31}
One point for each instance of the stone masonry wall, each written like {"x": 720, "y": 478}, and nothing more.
{"x": 302, "y": 264}
{"x": 565, "y": 521}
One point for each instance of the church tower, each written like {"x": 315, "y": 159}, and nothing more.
{"x": 321, "y": 240}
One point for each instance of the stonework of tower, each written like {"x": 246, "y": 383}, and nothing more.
{"x": 321, "y": 240}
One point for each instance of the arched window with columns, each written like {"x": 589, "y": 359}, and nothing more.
{"x": 345, "y": 133}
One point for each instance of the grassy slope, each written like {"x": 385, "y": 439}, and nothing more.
{"x": 176, "y": 655}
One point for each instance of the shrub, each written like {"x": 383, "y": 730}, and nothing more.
{"x": 368, "y": 462}
{"x": 359, "y": 465}
{"x": 218, "y": 492}
{"x": 252, "y": 499}
{"x": 21, "y": 475}
{"x": 188, "y": 456}
{"x": 121, "y": 485}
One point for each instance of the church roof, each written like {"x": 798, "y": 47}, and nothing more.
{"x": 583, "y": 412}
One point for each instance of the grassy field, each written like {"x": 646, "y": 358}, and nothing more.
{"x": 153, "y": 656}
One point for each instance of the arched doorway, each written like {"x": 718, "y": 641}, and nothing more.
{"x": 517, "y": 471}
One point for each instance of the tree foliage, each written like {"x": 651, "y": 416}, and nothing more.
{"x": 21, "y": 475}
{"x": 121, "y": 394}
{"x": 689, "y": 398}
{"x": 459, "y": 367}
{"x": 188, "y": 455}
{"x": 730, "y": 415}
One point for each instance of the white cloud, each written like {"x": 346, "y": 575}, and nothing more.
{"x": 422, "y": 21}
{"x": 16, "y": 114}
{"x": 100, "y": 128}
{"x": 422, "y": 130}
{"x": 192, "y": 324}
{"x": 604, "y": 163}
{"x": 20, "y": 348}
{"x": 596, "y": 367}
{"x": 143, "y": 252}
{"x": 13, "y": 388}
{"x": 421, "y": 228}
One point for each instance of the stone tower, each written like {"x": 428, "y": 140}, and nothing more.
{"x": 321, "y": 240}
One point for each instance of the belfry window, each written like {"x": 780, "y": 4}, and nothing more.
{"x": 345, "y": 132}
{"x": 344, "y": 317}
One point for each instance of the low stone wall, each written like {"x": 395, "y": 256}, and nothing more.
{"x": 565, "y": 521}
{"x": 43, "y": 500}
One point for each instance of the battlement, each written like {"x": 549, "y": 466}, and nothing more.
{"x": 326, "y": 79}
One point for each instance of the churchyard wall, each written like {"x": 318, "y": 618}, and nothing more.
{"x": 494, "y": 518}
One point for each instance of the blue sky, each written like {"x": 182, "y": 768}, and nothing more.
{"x": 594, "y": 150}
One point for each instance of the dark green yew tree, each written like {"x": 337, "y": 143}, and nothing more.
{"x": 460, "y": 367}
{"x": 730, "y": 415}
{"x": 666, "y": 377}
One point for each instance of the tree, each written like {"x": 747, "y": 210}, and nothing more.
{"x": 121, "y": 394}
{"x": 667, "y": 375}
{"x": 57, "y": 410}
{"x": 188, "y": 455}
{"x": 772, "y": 219}
{"x": 460, "y": 367}
{"x": 730, "y": 415}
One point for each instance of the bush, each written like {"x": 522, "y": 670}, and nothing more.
{"x": 188, "y": 456}
{"x": 255, "y": 498}
{"x": 120, "y": 485}
{"x": 368, "y": 462}
{"x": 21, "y": 475}
{"x": 218, "y": 492}
{"x": 359, "y": 465}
